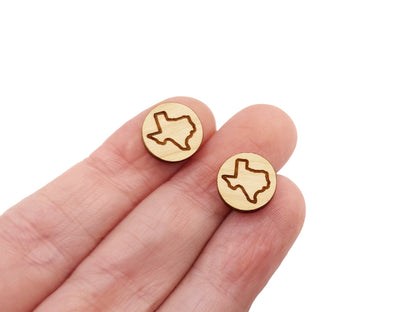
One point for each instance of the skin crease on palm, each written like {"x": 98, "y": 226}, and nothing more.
{"x": 123, "y": 231}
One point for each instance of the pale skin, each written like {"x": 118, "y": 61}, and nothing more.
{"x": 123, "y": 231}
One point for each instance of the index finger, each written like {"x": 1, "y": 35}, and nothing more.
{"x": 45, "y": 236}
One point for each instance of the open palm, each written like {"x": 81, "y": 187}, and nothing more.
{"x": 123, "y": 231}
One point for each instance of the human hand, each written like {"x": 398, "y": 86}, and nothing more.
{"x": 123, "y": 231}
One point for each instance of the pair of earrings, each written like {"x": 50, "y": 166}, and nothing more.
{"x": 173, "y": 132}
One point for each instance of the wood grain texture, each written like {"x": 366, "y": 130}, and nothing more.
{"x": 246, "y": 181}
{"x": 172, "y": 132}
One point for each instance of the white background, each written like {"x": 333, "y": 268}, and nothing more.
{"x": 71, "y": 72}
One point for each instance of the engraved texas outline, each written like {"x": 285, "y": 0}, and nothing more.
{"x": 243, "y": 178}
{"x": 182, "y": 128}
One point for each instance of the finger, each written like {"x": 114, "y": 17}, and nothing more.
{"x": 45, "y": 236}
{"x": 241, "y": 256}
{"x": 144, "y": 258}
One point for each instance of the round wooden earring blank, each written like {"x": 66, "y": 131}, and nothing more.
{"x": 246, "y": 181}
{"x": 172, "y": 132}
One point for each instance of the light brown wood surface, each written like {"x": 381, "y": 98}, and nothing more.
{"x": 246, "y": 181}
{"x": 172, "y": 132}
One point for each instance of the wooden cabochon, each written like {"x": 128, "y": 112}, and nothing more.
{"x": 246, "y": 181}
{"x": 172, "y": 132}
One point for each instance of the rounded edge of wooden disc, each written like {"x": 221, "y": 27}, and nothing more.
{"x": 236, "y": 198}
{"x": 169, "y": 152}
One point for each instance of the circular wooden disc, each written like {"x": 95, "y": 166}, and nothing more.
{"x": 246, "y": 181}
{"x": 172, "y": 132}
